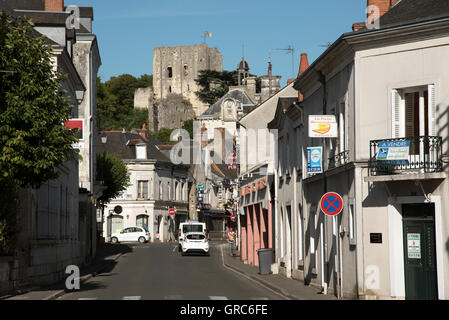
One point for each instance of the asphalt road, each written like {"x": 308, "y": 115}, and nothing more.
{"x": 159, "y": 272}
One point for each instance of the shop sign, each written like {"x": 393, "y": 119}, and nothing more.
{"x": 315, "y": 160}
{"x": 323, "y": 126}
{"x": 394, "y": 152}
{"x": 414, "y": 245}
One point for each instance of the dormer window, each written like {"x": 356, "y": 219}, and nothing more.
{"x": 141, "y": 151}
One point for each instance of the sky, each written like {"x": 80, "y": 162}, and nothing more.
{"x": 129, "y": 30}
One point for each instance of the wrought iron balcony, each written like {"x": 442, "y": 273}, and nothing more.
{"x": 421, "y": 154}
{"x": 338, "y": 160}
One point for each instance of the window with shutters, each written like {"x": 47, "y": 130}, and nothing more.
{"x": 413, "y": 113}
{"x": 142, "y": 189}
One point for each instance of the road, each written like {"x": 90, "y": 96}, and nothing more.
{"x": 157, "y": 271}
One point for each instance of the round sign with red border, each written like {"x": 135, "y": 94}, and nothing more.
{"x": 331, "y": 203}
{"x": 233, "y": 217}
{"x": 172, "y": 212}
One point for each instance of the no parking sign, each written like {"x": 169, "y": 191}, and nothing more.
{"x": 331, "y": 204}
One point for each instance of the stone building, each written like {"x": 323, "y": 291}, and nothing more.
{"x": 143, "y": 98}
{"x": 176, "y": 68}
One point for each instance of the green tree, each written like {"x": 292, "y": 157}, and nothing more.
{"x": 33, "y": 108}
{"x": 114, "y": 174}
{"x": 188, "y": 126}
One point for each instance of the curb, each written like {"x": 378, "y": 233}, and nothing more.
{"x": 265, "y": 283}
{"x": 84, "y": 278}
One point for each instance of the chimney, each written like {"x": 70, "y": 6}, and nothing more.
{"x": 303, "y": 66}
{"x": 383, "y": 5}
{"x": 54, "y": 5}
{"x": 143, "y": 132}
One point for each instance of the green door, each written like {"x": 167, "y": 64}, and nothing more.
{"x": 419, "y": 251}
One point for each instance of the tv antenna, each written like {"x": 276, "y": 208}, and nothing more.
{"x": 326, "y": 45}
{"x": 291, "y": 50}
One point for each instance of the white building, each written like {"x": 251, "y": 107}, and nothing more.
{"x": 157, "y": 185}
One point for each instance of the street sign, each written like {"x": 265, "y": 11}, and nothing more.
{"x": 323, "y": 126}
{"x": 118, "y": 209}
{"x": 233, "y": 218}
{"x": 199, "y": 199}
{"x": 172, "y": 212}
{"x": 200, "y": 186}
{"x": 331, "y": 204}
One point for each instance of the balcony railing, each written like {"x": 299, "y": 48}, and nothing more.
{"x": 338, "y": 160}
{"x": 421, "y": 154}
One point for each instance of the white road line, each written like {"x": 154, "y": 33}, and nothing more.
{"x": 257, "y": 298}
{"x": 175, "y": 248}
{"x": 218, "y": 298}
{"x": 249, "y": 278}
{"x": 132, "y": 298}
{"x": 87, "y": 298}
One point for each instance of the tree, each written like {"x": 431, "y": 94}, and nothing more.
{"x": 33, "y": 108}
{"x": 114, "y": 174}
{"x": 33, "y": 139}
{"x": 215, "y": 84}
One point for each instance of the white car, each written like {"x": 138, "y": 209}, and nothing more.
{"x": 190, "y": 226}
{"x": 131, "y": 234}
{"x": 195, "y": 242}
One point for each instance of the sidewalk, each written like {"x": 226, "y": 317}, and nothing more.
{"x": 105, "y": 260}
{"x": 291, "y": 288}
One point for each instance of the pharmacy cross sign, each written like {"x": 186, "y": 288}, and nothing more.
{"x": 331, "y": 204}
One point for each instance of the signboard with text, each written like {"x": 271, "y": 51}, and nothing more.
{"x": 394, "y": 152}
{"x": 315, "y": 160}
{"x": 323, "y": 126}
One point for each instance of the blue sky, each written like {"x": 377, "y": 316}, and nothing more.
{"x": 129, "y": 30}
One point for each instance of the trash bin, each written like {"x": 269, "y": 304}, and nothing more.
{"x": 265, "y": 260}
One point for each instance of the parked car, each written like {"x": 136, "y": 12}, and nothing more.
{"x": 195, "y": 242}
{"x": 190, "y": 226}
{"x": 131, "y": 234}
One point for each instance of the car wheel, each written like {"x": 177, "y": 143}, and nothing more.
{"x": 142, "y": 239}
{"x": 114, "y": 240}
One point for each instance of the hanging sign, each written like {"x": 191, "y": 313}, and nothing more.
{"x": 323, "y": 126}
{"x": 315, "y": 160}
{"x": 394, "y": 152}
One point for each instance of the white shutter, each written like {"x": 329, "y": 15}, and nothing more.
{"x": 431, "y": 111}
{"x": 396, "y": 114}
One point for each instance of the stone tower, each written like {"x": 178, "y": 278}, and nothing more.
{"x": 176, "y": 68}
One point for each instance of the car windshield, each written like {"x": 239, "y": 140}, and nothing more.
{"x": 192, "y": 228}
{"x": 195, "y": 237}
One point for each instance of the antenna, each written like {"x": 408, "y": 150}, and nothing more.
{"x": 291, "y": 50}
{"x": 326, "y": 45}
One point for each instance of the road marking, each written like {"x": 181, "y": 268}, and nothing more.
{"x": 257, "y": 298}
{"x": 87, "y": 298}
{"x": 175, "y": 248}
{"x": 132, "y": 298}
{"x": 218, "y": 298}
{"x": 249, "y": 278}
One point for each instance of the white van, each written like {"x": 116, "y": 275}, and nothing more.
{"x": 190, "y": 226}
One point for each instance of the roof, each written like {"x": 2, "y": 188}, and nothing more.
{"x": 243, "y": 65}
{"x": 122, "y": 144}
{"x": 413, "y": 11}
{"x": 237, "y": 94}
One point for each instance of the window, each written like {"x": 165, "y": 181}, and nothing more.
{"x": 142, "y": 220}
{"x": 196, "y": 237}
{"x": 160, "y": 191}
{"x": 142, "y": 189}
{"x": 413, "y": 112}
{"x": 170, "y": 72}
{"x": 141, "y": 152}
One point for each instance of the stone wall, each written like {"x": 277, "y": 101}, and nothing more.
{"x": 143, "y": 98}
{"x": 170, "y": 113}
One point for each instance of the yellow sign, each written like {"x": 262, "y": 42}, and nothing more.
{"x": 323, "y": 126}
